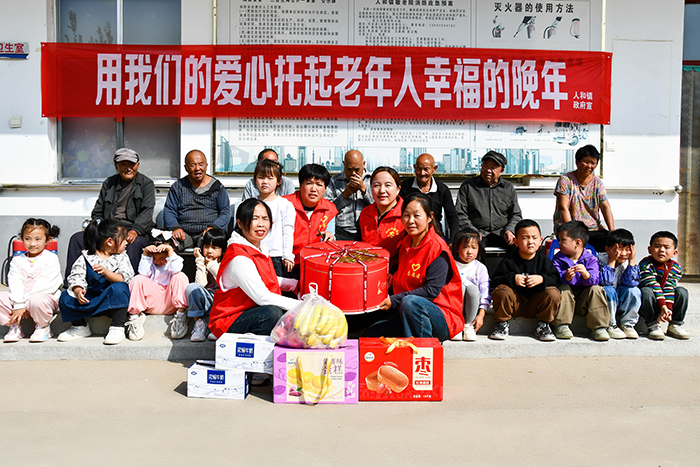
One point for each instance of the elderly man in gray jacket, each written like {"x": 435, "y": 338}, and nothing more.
{"x": 350, "y": 192}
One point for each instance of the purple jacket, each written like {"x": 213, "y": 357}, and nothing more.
{"x": 588, "y": 259}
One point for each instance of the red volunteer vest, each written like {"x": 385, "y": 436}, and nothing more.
{"x": 305, "y": 228}
{"x": 385, "y": 234}
{"x": 228, "y": 305}
{"x": 413, "y": 263}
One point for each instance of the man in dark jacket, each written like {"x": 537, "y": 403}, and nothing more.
{"x": 127, "y": 196}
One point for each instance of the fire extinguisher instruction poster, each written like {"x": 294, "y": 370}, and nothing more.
{"x": 531, "y": 146}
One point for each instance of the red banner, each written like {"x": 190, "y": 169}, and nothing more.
{"x": 93, "y": 80}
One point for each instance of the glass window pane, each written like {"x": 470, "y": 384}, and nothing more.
{"x": 88, "y": 147}
{"x": 157, "y": 141}
{"x": 152, "y": 22}
{"x": 691, "y": 33}
{"x": 88, "y": 21}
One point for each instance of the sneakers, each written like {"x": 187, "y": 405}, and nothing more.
{"x": 14, "y": 334}
{"x": 500, "y": 332}
{"x": 134, "y": 327}
{"x": 40, "y": 334}
{"x": 543, "y": 332}
{"x": 562, "y": 331}
{"x": 199, "y": 332}
{"x": 115, "y": 335}
{"x": 469, "y": 334}
{"x": 630, "y": 332}
{"x": 600, "y": 334}
{"x": 74, "y": 333}
{"x": 677, "y": 331}
{"x": 655, "y": 332}
{"x": 178, "y": 326}
{"x": 457, "y": 337}
{"x": 211, "y": 336}
{"x": 616, "y": 333}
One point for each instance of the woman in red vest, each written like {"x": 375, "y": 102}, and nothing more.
{"x": 380, "y": 223}
{"x": 249, "y": 299}
{"x": 427, "y": 285}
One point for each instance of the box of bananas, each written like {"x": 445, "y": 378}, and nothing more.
{"x": 314, "y": 324}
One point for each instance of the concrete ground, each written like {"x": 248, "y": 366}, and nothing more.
{"x": 573, "y": 411}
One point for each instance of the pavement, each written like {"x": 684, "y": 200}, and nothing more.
{"x": 573, "y": 411}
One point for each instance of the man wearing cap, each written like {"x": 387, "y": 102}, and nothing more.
{"x": 438, "y": 192}
{"x": 251, "y": 189}
{"x": 350, "y": 192}
{"x": 488, "y": 204}
{"x": 128, "y": 196}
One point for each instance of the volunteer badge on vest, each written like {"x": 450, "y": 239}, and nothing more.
{"x": 415, "y": 270}
{"x": 392, "y": 232}
{"x": 322, "y": 225}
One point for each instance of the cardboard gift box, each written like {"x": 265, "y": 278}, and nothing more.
{"x": 316, "y": 376}
{"x": 344, "y": 266}
{"x": 203, "y": 380}
{"x": 401, "y": 369}
{"x": 244, "y": 352}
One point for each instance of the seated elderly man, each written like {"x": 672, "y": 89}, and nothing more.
{"x": 195, "y": 203}
{"x": 488, "y": 204}
{"x": 128, "y": 196}
{"x": 251, "y": 189}
{"x": 350, "y": 192}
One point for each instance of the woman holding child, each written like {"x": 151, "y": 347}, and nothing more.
{"x": 581, "y": 196}
{"x": 249, "y": 299}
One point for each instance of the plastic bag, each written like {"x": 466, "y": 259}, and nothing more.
{"x": 314, "y": 324}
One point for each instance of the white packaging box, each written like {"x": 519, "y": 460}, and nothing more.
{"x": 245, "y": 352}
{"x": 203, "y": 380}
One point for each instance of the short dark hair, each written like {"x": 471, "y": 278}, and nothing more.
{"x": 664, "y": 234}
{"x": 216, "y": 237}
{"x": 311, "y": 171}
{"x": 261, "y": 154}
{"x": 524, "y": 224}
{"x": 587, "y": 151}
{"x": 267, "y": 167}
{"x": 463, "y": 236}
{"x": 245, "y": 212}
{"x": 619, "y": 236}
{"x": 575, "y": 230}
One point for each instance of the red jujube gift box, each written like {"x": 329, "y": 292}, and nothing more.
{"x": 400, "y": 369}
{"x": 351, "y": 275}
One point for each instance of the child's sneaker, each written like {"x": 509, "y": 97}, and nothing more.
{"x": 134, "y": 327}
{"x": 500, "y": 332}
{"x": 457, "y": 337}
{"x": 469, "y": 334}
{"x": 630, "y": 332}
{"x": 74, "y": 333}
{"x": 655, "y": 332}
{"x": 115, "y": 335}
{"x": 677, "y": 331}
{"x": 14, "y": 334}
{"x": 562, "y": 331}
{"x": 600, "y": 334}
{"x": 211, "y": 336}
{"x": 40, "y": 334}
{"x": 199, "y": 332}
{"x": 178, "y": 326}
{"x": 543, "y": 332}
{"x": 615, "y": 333}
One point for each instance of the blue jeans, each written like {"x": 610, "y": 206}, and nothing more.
{"x": 257, "y": 320}
{"x": 422, "y": 318}
{"x": 199, "y": 301}
{"x": 650, "y": 309}
{"x": 624, "y": 301}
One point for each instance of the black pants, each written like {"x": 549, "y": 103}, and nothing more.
{"x": 650, "y": 309}
{"x": 118, "y": 316}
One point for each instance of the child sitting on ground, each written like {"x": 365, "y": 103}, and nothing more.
{"x": 35, "y": 283}
{"x": 662, "y": 298}
{"x": 619, "y": 276}
{"x": 159, "y": 289}
{"x": 98, "y": 282}
{"x": 580, "y": 293}
{"x": 525, "y": 284}
{"x": 475, "y": 282}
{"x": 200, "y": 294}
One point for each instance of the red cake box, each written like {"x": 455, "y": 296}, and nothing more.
{"x": 394, "y": 369}
{"x": 351, "y": 275}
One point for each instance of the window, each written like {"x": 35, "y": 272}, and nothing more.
{"x": 87, "y": 145}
